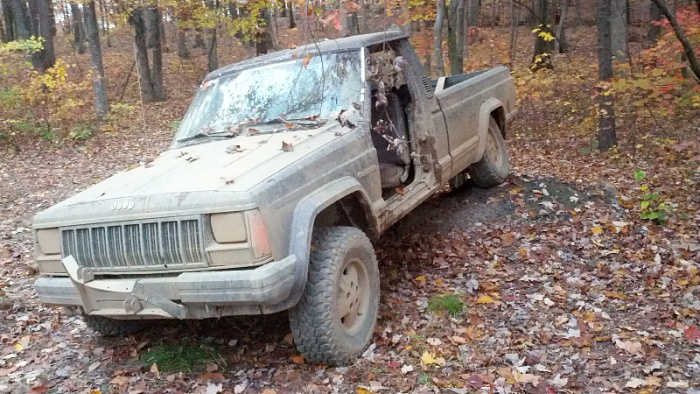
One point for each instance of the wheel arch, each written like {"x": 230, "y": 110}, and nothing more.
{"x": 491, "y": 108}
{"x": 333, "y": 204}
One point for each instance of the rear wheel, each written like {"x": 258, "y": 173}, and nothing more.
{"x": 334, "y": 321}
{"x": 494, "y": 166}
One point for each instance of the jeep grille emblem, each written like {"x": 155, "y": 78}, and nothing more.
{"x": 123, "y": 205}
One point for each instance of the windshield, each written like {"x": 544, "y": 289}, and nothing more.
{"x": 301, "y": 92}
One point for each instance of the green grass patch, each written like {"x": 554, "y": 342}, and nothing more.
{"x": 450, "y": 303}
{"x": 185, "y": 356}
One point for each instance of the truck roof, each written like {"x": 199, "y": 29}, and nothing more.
{"x": 328, "y": 45}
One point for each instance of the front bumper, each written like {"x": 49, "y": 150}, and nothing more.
{"x": 189, "y": 295}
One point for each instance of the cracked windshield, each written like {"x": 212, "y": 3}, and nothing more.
{"x": 300, "y": 93}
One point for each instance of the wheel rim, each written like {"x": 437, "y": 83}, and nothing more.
{"x": 492, "y": 149}
{"x": 352, "y": 300}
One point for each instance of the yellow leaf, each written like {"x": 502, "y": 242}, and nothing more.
{"x": 597, "y": 230}
{"x": 484, "y": 299}
{"x": 18, "y": 347}
{"x": 420, "y": 278}
{"x": 428, "y": 358}
{"x": 515, "y": 190}
{"x": 362, "y": 390}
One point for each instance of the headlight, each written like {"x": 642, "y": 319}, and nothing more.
{"x": 228, "y": 227}
{"x": 240, "y": 236}
{"x": 49, "y": 240}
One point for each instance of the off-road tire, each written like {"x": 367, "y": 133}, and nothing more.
{"x": 338, "y": 254}
{"x": 114, "y": 327}
{"x": 494, "y": 166}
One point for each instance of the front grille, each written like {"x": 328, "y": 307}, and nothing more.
{"x": 161, "y": 244}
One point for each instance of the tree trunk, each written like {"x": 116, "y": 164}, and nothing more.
{"x": 137, "y": 18}
{"x": 292, "y": 23}
{"x": 151, "y": 26}
{"x": 21, "y": 22}
{"x": 6, "y": 24}
{"x": 212, "y": 53}
{"x": 157, "y": 62}
{"x": 514, "y": 22}
{"x": 182, "y": 51}
{"x": 78, "y": 29}
{"x": 607, "y": 137}
{"x": 163, "y": 40}
{"x": 365, "y": 14}
{"x": 41, "y": 11}
{"x": 437, "y": 37}
{"x": 198, "y": 40}
{"x": 105, "y": 23}
{"x": 263, "y": 41}
{"x": 689, "y": 52}
{"x": 654, "y": 29}
{"x": 212, "y": 50}
{"x": 474, "y": 8}
{"x": 618, "y": 23}
{"x": 455, "y": 36}
{"x": 98, "y": 74}
{"x": 560, "y": 45}
{"x": 543, "y": 48}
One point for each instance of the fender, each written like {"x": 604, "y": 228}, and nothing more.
{"x": 485, "y": 111}
{"x": 302, "y": 231}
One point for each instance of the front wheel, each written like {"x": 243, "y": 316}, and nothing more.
{"x": 114, "y": 327}
{"x": 494, "y": 166}
{"x": 334, "y": 321}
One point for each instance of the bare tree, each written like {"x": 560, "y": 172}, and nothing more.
{"x": 607, "y": 137}
{"x": 98, "y": 74}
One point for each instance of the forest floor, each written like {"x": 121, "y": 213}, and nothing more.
{"x": 564, "y": 288}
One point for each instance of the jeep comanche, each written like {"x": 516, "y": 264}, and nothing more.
{"x": 283, "y": 170}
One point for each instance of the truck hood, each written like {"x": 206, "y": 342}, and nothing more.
{"x": 197, "y": 179}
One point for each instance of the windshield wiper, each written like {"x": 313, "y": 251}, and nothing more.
{"x": 202, "y": 134}
{"x": 310, "y": 121}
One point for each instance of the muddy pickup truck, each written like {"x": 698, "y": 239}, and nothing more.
{"x": 283, "y": 170}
